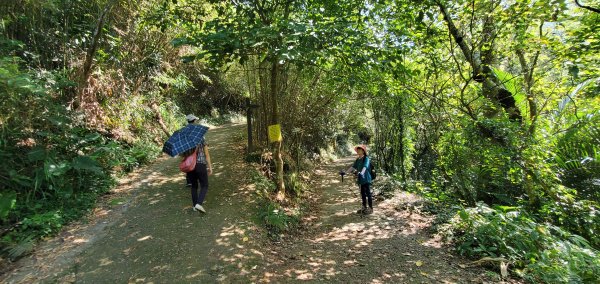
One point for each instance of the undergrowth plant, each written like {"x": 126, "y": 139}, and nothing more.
{"x": 540, "y": 252}
{"x": 53, "y": 166}
{"x": 276, "y": 218}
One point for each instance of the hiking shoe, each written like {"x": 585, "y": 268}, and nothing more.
{"x": 199, "y": 207}
{"x": 361, "y": 211}
{"x": 368, "y": 211}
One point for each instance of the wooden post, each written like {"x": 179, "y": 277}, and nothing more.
{"x": 249, "y": 108}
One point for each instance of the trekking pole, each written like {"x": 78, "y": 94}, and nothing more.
{"x": 354, "y": 191}
{"x": 342, "y": 174}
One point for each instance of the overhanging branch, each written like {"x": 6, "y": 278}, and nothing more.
{"x": 596, "y": 10}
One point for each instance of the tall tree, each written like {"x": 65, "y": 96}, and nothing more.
{"x": 480, "y": 54}
{"x": 277, "y": 34}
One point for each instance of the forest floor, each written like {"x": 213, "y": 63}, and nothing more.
{"x": 145, "y": 231}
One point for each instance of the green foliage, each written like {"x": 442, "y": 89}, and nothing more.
{"x": 478, "y": 166}
{"x": 54, "y": 167}
{"x": 578, "y": 216}
{"x": 7, "y": 203}
{"x": 21, "y": 242}
{"x": 272, "y": 215}
{"x": 388, "y": 187}
{"x": 577, "y": 157}
{"x": 284, "y": 31}
{"x": 294, "y": 184}
{"x": 253, "y": 157}
{"x": 194, "y": 88}
{"x": 349, "y": 70}
{"x": 264, "y": 186}
{"x": 393, "y": 126}
{"x": 541, "y": 251}
{"x": 41, "y": 225}
{"x": 311, "y": 118}
{"x": 514, "y": 85}
{"x": 276, "y": 219}
{"x": 48, "y": 29}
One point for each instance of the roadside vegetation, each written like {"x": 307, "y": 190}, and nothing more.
{"x": 489, "y": 109}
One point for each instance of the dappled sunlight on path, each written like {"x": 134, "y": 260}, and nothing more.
{"x": 390, "y": 246}
{"x": 145, "y": 231}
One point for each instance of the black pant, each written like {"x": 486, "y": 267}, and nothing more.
{"x": 365, "y": 193}
{"x": 199, "y": 174}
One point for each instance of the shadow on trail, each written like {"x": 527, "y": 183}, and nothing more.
{"x": 163, "y": 240}
{"x": 146, "y": 232}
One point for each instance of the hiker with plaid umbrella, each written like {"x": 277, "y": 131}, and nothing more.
{"x": 185, "y": 142}
{"x": 191, "y": 119}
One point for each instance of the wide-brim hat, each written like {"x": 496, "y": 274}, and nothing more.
{"x": 191, "y": 117}
{"x": 363, "y": 147}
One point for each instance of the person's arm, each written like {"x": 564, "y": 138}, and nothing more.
{"x": 365, "y": 166}
{"x": 351, "y": 169}
{"x": 208, "y": 162}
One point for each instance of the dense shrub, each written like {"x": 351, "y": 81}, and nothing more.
{"x": 276, "y": 218}
{"x": 541, "y": 252}
{"x": 577, "y": 157}
{"x": 54, "y": 166}
{"x": 581, "y": 217}
{"x": 480, "y": 166}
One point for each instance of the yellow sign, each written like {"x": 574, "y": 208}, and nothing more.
{"x": 275, "y": 133}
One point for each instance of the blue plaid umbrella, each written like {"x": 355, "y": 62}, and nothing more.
{"x": 184, "y": 139}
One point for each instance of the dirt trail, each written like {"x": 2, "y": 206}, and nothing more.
{"x": 390, "y": 246}
{"x": 155, "y": 237}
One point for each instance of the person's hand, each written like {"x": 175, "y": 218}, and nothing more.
{"x": 210, "y": 171}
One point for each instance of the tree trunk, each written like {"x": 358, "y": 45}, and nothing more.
{"x": 482, "y": 71}
{"x": 527, "y": 70}
{"x": 91, "y": 52}
{"x": 401, "y": 124}
{"x": 263, "y": 115}
{"x": 160, "y": 120}
{"x": 275, "y": 120}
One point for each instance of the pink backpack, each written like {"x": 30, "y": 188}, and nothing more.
{"x": 188, "y": 163}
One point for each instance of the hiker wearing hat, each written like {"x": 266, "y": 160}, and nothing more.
{"x": 361, "y": 169}
{"x": 199, "y": 176}
{"x": 190, "y": 119}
